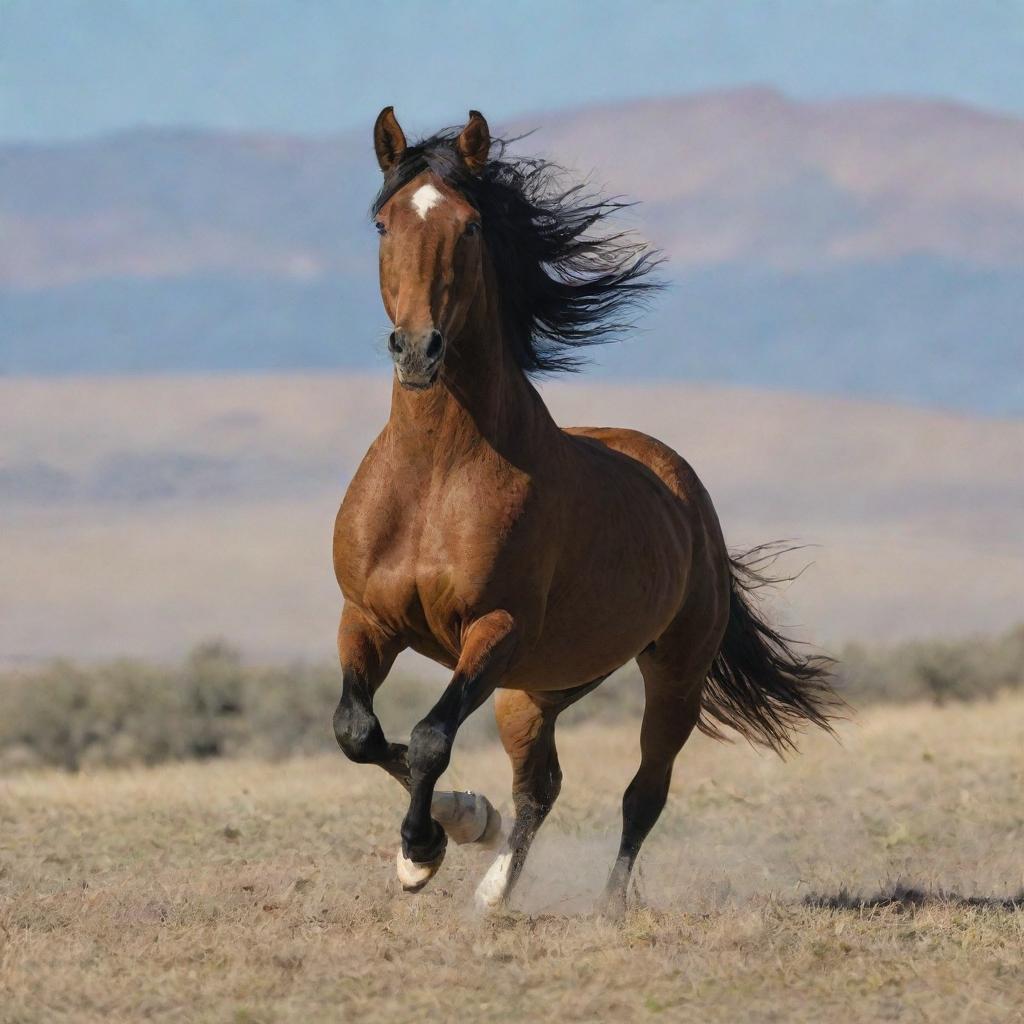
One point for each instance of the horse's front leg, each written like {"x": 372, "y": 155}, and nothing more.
{"x": 367, "y": 655}
{"x": 488, "y": 644}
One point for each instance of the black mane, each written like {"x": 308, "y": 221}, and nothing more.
{"x": 561, "y": 286}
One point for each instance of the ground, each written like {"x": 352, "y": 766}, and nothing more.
{"x": 243, "y": 891}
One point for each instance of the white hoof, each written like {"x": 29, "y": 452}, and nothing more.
{"x": 466, "y": 817}
{"x": 493, "y": 891}
{"x": 414, "y": 876}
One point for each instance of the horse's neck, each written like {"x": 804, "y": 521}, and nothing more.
{"x": 482, "y": 403}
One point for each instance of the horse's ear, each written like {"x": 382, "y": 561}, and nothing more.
{"x": 388, "y": 139}
{"x": 475, "y": 142}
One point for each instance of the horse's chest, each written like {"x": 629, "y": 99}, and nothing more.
{"x": 424, "y": 559}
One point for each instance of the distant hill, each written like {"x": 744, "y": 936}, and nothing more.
{"x": 871, "y": 248}
{"x": 141, "y": 514}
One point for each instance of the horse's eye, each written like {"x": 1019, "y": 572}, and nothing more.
{"x": 381, "y": 230}
{"x": 473, "y": 228}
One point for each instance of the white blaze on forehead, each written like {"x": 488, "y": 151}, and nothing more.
{"x": 425, "y": 198}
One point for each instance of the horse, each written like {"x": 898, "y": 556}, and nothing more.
{"x": 531, "y": 561}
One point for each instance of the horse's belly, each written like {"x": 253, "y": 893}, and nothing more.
{"x": 591, "y": 635}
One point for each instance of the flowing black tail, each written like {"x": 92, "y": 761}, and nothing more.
{"x": 758, "y": 684}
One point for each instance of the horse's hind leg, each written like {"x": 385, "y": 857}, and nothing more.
{"x": 526, "y": 723}
{"x": 670, "y": 714}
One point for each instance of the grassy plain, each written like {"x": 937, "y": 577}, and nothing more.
{"x": 249, "y": 891}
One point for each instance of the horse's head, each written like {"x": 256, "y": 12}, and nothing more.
{"x": 431, "y": 256}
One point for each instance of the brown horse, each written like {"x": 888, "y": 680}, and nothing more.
{"x": 530, "y": 560}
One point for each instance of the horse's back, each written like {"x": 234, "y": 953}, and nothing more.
{"x": 666, "y": 463}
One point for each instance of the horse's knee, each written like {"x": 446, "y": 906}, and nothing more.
{"x": 430, "y": 750}
{"x": 358, "y": 732}
{"x": 535, "y": 791}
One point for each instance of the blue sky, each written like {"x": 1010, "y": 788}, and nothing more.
{"x": 80, "y": 67}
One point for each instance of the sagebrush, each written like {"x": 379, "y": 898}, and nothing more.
{"x": 212, "y": 704}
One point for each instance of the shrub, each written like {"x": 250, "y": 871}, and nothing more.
{"x": 938, "y": 671}
{"x": 214, "y": 705}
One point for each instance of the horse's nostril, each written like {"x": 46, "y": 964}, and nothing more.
{"x": 395, "y": 345}
{"x": 434, "y": 345}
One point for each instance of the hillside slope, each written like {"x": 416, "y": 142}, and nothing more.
{"x": 871, "y": 248}
{"x": 141, "y": 514}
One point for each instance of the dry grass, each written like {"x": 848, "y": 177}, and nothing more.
{"x": 243, "y": 891}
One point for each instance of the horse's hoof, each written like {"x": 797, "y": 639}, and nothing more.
{"x": 493, "y": 891}
{"x": 491, "y": 835}
{"x": 466, "y": 817}
{"x": 414, "y": 875}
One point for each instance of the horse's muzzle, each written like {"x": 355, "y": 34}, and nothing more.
{"x": 417, "y": 359}
{"x": 419, "y": 381}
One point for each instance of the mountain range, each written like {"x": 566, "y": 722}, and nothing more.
{"x": 869, "y": 248}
